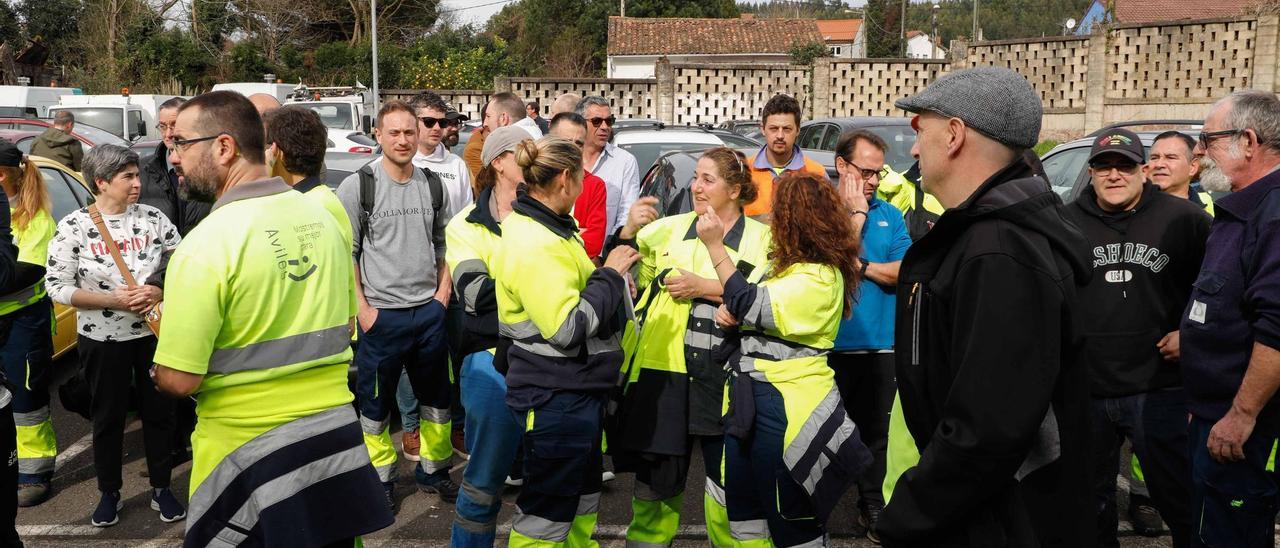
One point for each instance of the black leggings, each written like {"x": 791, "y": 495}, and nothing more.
{"x": 111, "y": 369}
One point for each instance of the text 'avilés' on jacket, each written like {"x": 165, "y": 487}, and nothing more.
{"x": 1144, "y": 261}
{"x": 560, "y": 327}
{"x": 675, "y": 356}
{"x": 990, "y": 390}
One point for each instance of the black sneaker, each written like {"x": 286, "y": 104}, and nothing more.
{"x": 389, "y": 489}
{"x": 108, "y": 511}
{"x": 163, "y": 501}
{"x": 443, "y": 486}
{"x": 1145, "y": 518}
{"x": 868, "y": 518}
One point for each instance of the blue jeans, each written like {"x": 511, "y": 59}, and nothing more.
{"x": 492, "y": 428}
{"x": 407, "y": 403}
{"x": 1235, "y": 503}
{"x": 1156, "y": 425}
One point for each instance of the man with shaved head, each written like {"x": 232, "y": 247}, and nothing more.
{"x": 566, "y": 102}
{"x": 264, "y": 103}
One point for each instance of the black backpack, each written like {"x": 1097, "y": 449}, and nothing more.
{"x": 366, "y": 196}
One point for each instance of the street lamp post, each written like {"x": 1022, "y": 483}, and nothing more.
{"x": 373, "y": 29}
{"x": 974, "y": 37}
{"x": 902, "y": 29}
{"x": 934, "y": 39}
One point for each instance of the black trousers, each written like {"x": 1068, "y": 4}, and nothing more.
{"x": 112, "y": 368}
{"x": 9, "y": 480}
{"x": 867, "y": 384}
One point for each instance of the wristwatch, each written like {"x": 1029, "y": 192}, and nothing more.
{"x": 863, "y": 269}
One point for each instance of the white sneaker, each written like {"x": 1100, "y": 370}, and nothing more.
{"x": 606, "y": 476}
{"x": 515, "y": 482}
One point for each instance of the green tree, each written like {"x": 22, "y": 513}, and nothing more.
{"x": 53, "y": 23}
{"x": 881, "y": 23}
{"x": 804, "y": 53}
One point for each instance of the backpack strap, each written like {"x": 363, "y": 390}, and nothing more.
{"x": 366, "y": 201}
{"x": 437, "y": 190}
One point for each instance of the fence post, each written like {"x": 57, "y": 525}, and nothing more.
{"x": 1096, "y": 81}
{"x": 501, "y": 84}
{"x": 666, "y": 90}
{"x": 1266, "y": 60}
{"x": 820, "y": 73}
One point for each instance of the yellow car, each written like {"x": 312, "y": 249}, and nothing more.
{"x": 67, "y": 192}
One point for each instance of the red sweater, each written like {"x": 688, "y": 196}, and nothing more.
{"x": 590, "y": 211}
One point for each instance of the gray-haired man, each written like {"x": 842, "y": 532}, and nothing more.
{"x": 605, "y": 160}
{"x": 991, "y": 395}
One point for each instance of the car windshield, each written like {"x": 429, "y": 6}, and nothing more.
{"x": 1064, "y": 169}
{"x": 900, "y": 140}
{"x": 647, "y": 153}
{"x": 334, "y": 115}
{"x": 108, "y": 119}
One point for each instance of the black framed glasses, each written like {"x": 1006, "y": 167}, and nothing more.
{"x": 595, "y": 122}
{"x": 430, "y": 122}
{"x": 180, "y": 145}
{"x": 1207, "y": 138}
{"x": 865, "y": 173}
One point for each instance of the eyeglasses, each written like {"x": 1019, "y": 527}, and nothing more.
{"x": 1207, "y": 138}
{"x": 595, "y": 122}
{"x": 1105, "y": 169}
{"x": 429, "y": 122}
{"x": 180, "y": 145}
{"x": 163, "y": 127}
{"x": 864, "y": 173}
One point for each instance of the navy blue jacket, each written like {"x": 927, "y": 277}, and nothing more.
{"x": 1235, "y": 302}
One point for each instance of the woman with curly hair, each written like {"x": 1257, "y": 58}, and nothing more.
{"x": 791, "y": 450}
{"x": 674, "y": 366}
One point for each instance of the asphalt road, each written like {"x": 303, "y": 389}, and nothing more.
{"x": 423, "y": 520}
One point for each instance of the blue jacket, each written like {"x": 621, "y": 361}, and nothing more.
{"x": 884, "y": 240}
{"x": 1235, "y": 302}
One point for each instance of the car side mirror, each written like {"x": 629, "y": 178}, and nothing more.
{"x": 365, "y": 123}
{"x": 139, "y": 131}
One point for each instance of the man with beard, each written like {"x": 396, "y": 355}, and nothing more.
{"x": 780, "y": 125}
{"x": 278, "y": 457}
{"x": 162, "y": 182}
{"x": 1231, "y": 327}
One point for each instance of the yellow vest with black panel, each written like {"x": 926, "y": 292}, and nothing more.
{"x": 674, "y": 358}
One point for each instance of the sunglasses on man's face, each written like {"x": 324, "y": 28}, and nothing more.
{"x": 429, "y": 122}
{"x": 595, "y": 122}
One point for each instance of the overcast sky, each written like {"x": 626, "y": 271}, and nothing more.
{"x": 479, "y": 11}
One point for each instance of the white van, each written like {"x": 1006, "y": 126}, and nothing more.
{"x": 280, "y": 91}
{"x": 130, "y": 117}
{"x": 31, "y": 101}
{"x": 345, "y": 112}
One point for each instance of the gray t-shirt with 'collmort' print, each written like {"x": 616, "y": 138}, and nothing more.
{"x": 397, "y": 257}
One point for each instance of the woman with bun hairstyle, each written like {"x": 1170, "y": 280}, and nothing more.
{"x": 560, "y": 320}
{"x": 790, "y": 450}
{"x": 674, "y": 394}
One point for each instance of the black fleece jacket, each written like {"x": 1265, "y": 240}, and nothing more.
{"x": 990, "y": 389}
{"x": 1144, "y": 261}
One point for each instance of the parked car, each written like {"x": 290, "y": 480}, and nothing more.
{"x": 340, "y": 165}
{"x": 672, "y": 173}
{"x": 824, "y": 133}
{"x": 745, "y": 128}
{"x": 87, "y": 134}
{"x": 1067, "y": 164}
{"x": 647, "y": 143}
{"x": 67, "y": 193}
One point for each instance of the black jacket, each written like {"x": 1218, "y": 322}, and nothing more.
{"x": 990, "y": 391}
{"x": 161, "y": 192}
{"x": 1144, "y": 262}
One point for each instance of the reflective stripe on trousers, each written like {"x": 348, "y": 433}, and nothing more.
{"x": 493, "y": 436}
{"x": 265, "y": 474}
{"x": 37, "y": 444}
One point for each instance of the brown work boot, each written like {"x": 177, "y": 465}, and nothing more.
{"x": 412, "y": 446}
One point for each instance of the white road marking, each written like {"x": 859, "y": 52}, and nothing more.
{"x": 58, "y": 530}
{"x": 81, "y": 445}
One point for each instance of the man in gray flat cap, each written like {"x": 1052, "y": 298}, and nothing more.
{"x": 989, "y": 443}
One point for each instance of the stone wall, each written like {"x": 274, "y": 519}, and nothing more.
{"x": 1169, "y": 70}
{"x": 714, "y": 93}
